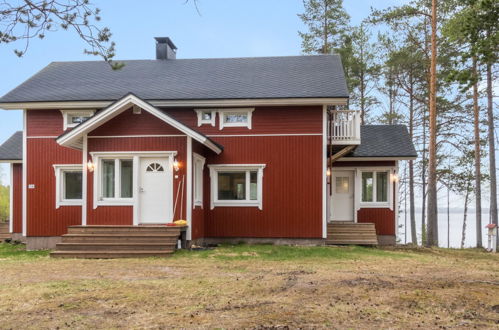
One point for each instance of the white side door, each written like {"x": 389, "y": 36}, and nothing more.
{"x": 342, "y": 198}
{"x": 155, "y": 191}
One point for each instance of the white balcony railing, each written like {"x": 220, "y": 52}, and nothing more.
{"x": 345, "y": 127}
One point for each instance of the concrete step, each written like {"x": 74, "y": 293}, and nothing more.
{"x": 109, "y": 254}
{"x": 144, "y": 247}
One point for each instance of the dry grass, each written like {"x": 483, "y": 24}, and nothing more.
{"x": 254, "y": 287}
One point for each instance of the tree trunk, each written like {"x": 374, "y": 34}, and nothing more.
{"x": 432, "y": 239}
{"x": 478, "y": 187}
{"x": 412, "y": 205}
{"x": 423, "y": 188}
{"x": 465, "y": 215}
{"x": 448, "y": 213}
{"x": 492, "y": 148}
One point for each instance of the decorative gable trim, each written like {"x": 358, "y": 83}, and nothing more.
{"x": 73, "y": 138}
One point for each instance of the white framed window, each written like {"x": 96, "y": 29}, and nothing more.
{"x": 206, "y": 116}
{"x": 198, "y": 162}
{"x": 237, "y": 185}
{"x": 115, "y": 181}
{"x": 240, "y": 117}
{"x": 68, "y": 185}
{"x": 72, "y": 118}
{"x": 375, "y": 187}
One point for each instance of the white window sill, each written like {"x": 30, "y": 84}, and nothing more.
{"x": 374, "y": 205}
{"x": 115, "y": 202}
{"x": 237, "y": 204}
{"x": 76, "y": 202}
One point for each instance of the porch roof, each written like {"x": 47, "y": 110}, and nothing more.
{"x": 74, "y": 137}
{"x": 383, "y": 141}
{"x": 11, "y": 151}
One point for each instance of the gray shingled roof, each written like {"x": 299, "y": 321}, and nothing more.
{"x": 12, "y": 149}
{"x": 317, "y": 76}
{"x": 384, "y": 141}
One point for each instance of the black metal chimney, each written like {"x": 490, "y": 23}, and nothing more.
{"x": 165, "y": 49}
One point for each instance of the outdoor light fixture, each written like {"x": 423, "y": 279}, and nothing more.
{"x": 328, "y": 172}
{"x": 395, "y": 177}
{"x": 176, "y": 165}
{"x": 90, "y": 166}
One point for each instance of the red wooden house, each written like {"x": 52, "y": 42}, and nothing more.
{"x": 253, "y": 149}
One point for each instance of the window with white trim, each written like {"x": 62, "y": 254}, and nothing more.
{"x": 116, "y": 179}
{"x": 236, "y": 117}
{"x": 236, "y": 185}
{"x": 68, "y": 185}
{"x": 206, "y": 116}
{"x": 198, "y": 162}
{"x": 375, "y": 187}
{"x": 72, "y": 118}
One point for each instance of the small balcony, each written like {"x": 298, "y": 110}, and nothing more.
{"x": 344, "y": 127}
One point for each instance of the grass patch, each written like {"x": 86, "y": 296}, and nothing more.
{"x": 18, "y": 251}
{"x": 289, "y": 253}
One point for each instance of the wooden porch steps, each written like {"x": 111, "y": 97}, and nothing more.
{"x": 350, "y": 233}
{"x": 104, "y": 242}
{"x": 4, "y": 231}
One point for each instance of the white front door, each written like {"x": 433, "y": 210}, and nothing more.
{"x": 155, "y": 191}
{"x": 342, "y": 198}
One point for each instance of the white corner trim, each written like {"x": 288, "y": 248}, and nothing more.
{"x": 136, "y": 189}
{"x": 198, "y": 186}
{"x": 324, "y": 172}
{"x": 202, "y": 121}
{"x": 215, "y": 168}
{"x": 226, "y": 111}
{"x": 180, "y": 103}
{"x": 84, "y": 181}
{"x": 70, "y": 139}
{"x": 11, "y": 200}
{"x": 25, "y": 175}
{"x": 59, "y": 181}
{"x": 188, "y": 190}
{"x": 66, "y": 114}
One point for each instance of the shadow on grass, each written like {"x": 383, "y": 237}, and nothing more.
{"x": 280, "y": 252}
{"x": 18, "y": 251}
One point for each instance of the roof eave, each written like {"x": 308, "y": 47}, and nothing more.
{"x": 32, "y": 105}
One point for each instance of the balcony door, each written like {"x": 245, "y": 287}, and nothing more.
{"x": 342, "y": 198}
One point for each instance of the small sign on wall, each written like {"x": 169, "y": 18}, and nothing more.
{"x": 31, "y": 186}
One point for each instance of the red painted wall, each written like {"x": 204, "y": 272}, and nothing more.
{"x": 127, "y": 123}
{"x": 383, "y": 218}
{"x": 17, "y": 194}
{"x": 123, "y": 215}
{"x": 292, "y": 188}
{"x": 43, "y": 219}
{"x": 44, "y": 123}
{"x": 197, "y": 219}
{"x": 292, "y": 181}
{"x": 265, "y": 120}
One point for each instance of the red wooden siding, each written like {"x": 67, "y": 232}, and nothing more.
{"x": 197, "y": 219}
{"x": 127, "y": 123}
{"x": 383, "y": 218}
{"x": 292, "y": 188}
{"x": 123, "y": 215}
{"x": 265, "y": 120}
{"x": 44, "y": 123}
{"x": 43, "y": 219}
{"x": 17, "y": 195}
